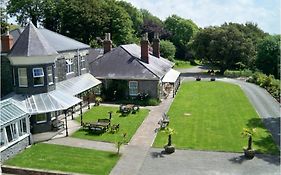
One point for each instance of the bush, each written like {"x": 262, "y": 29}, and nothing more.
{"x": 152, "y": 102}
{"x": 236, "y": 74}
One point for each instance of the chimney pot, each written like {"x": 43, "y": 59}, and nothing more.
{"x": 107, "y": 43}
{"x": 145, "y": 48}
{"x": 156, "y": 45}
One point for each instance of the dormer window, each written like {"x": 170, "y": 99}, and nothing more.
{"x": 38, "y": 77}
{"x": 22, "y": 77}
{"x": 50, "y": 75}
{"x": 69, "y": 65}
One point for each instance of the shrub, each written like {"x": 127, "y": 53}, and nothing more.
{"x": 152, "y": 102}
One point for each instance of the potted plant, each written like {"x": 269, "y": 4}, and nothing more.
{"x": 98, "y": 100}
{"x": 169, "y": 148}
{"x": 249, "y": 152}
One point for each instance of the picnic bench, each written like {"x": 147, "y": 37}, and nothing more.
{"x": 164, "y": 122}
{"x": 100, "y": 126}
{"x": 126, "y": 109}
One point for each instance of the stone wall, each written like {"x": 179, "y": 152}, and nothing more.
{"x": 14, "y": 149}
{"x": 150, "y": 87}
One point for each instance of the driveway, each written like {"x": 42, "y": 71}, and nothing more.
{"x": 189, "y": 162}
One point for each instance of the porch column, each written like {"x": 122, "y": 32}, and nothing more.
{"x": 66, "y": 128}
{"x": 88, "y": 99}
{"x": 72, "y": 111}
{"x": 81, "y": 114}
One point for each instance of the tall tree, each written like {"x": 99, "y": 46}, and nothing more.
{"x": 152, "y": 25}
{"x": 26, "y": 9}
{"x": 135, "y": 15}
{"x": 224, "y": 47}
{"x": 268, "y": 57}
{"x": 182, "y": 30}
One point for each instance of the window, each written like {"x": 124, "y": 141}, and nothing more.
{"x": 2, "y": 139}
{"x": 133, "y": 88}
{"x": 22, "y": 77}
{"x": 38, "y": 77}
{"x": 69, "y": 65}
{"x": 41, "y": 118}
{"x": 22, "y": 127}
{"x": 97, "y": 90}
{"x": 50, "y": 75}
{"x": 11, "y": 132}
{"x": 83, "y": 64}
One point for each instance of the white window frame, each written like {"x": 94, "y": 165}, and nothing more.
{"x": 20, "y": 77}
{"x": 69, "y": 65}
{"x": 22, "y": 126}
{"x": 38, "y": 76}
{"x": 83, "y": 63}
{"x": 42, "y": 121}
{"x": 133, "y": 90}
{"x": 50, "y": 75}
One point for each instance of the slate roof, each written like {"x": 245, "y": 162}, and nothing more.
{"x": 124, "y": 62}
{"x": 55, "y": 40}
{"x": 31, "y": 43}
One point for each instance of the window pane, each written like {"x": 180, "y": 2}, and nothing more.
{"x": 50, "y": 75}
{"x": 38, "y": 81}
{"x": 2, "y": 139}
{"x": 9, "y": 133}
{"x": 41, "y": 118}
{"x": 22, "y": 77}
{"x": 133, "y": 88}
{"x": 38, "y": 72}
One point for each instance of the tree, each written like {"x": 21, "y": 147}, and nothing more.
{"x": 26, "y": 9}
{"x": 135, "y": 15}
{"x": 268, "y": 56}
{"x": 167, "y": 49}
{"x": 181, "y": 30}
{"x": 223, "y": 47}
{"x": 152, "y": 25}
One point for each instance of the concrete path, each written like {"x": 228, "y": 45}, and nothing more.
{"x": 82, "y": 143}
{"x": 187, "y": 162}
{"x": 134, "y": 154}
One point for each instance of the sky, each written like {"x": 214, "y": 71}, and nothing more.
{"x": 265, "y": 13}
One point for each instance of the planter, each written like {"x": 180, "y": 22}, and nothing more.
{"x": 249, "y": 153}
{"x": 169, "y": 149}
{"x": 198, "y": 79}
{"x": 213, "y": 79}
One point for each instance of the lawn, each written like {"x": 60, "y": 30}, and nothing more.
{"x": 179, "y": 64}
{"x": 128, "y": 124}
{"x": 64, "y": 158}
{"x": 211, "y": 116}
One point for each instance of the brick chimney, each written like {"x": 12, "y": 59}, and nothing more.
{"x": 107, "y": 43}
{"x": 7, "y": 42}
{"x": 144, "y": 48}
{"x": 156, "y": 45}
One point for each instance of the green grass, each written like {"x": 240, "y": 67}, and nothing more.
{"x": 128, "y": 124}
{"x": 179, "y": 64}
{"x": 211, "y": 116}
{"x": 64, "y": 158}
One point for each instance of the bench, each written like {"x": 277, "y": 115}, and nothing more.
{"x": 164, "y": 122}
{"x": 115, "y": 128}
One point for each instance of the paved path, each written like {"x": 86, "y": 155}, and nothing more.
{"x": 188, "y": 162}
{"x": 134, "y": 154}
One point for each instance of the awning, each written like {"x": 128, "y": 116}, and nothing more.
{"x": 10, "y": 112}
{"x": 78, "y": 84}
{"x": 171, "y": 76}
{"x": 46, "y": 102}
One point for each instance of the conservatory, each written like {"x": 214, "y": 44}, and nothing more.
{"x": 15, "y": 129}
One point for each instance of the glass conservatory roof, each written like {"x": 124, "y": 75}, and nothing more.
{"x": 46, "y": 102}
{"x": 78, "y": 84}
{"x": 10, "y": 111}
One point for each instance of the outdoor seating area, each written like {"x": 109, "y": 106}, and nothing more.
{"x": 129, "y": 108}
{"x": 101, "y": 126}
{"x": 164, "y": 122}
